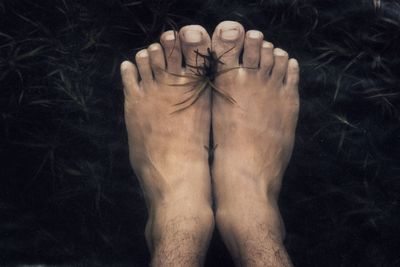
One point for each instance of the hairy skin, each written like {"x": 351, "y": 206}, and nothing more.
{"x": 254, "y": 139}
{"x": 180, "y": 245}
{"x": 265, "y": 249}
{"x": 253, "y": 128}
{"x": 167, "y": 148}
{"x": 254, "y": 235}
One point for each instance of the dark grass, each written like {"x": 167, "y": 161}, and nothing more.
{"x": 68, "y": 196}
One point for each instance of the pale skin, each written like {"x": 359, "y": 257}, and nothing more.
{"x": 254, "y": 139}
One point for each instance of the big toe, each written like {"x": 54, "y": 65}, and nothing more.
{"x": 227, "y": 43}
{"x": 195, "y": 42}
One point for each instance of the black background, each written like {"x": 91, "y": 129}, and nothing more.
{"x": 68, "y": 196}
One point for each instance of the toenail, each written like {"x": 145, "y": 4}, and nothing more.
{"x": 279, "y": 52}
{"x": 267, "y": 45}
{"x": 254, "y": 34}
{"x": 229, "y": 34}
{"x": 170, "y": 37}
{"x": 125, "y": 65}
{"x": 293, "y": 63}
{"x": 153, "y": 47}
{"x": 193, "y": 36}
{"x": 142, "y": 53}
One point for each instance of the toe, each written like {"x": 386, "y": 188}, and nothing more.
{"x": 194, "y": 38}
{"x": 143, "y": 63}
{"x": 172, "y": 48}
{"x": 290, "y": 90}
{"x": 157, "y": 60}
{"x": 267, "y": 57}
{"x": 252, "y": 49}
{"x": 292, "y": 75}
{"x": 280, "y": 65}
{"x": 129, "y": 76}
{"x": 227, "y": 42}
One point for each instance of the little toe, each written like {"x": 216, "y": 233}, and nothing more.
{"x": 172, "y": 48}
{"x": 252, "y": 49}
{"x": 280, "y": 65}
{"x": 130, "y": 80}
{"x": 292, "y": 75}
{"x": 143, "y": 63}
{"x": 195, "y": 41}
{"x": 291, "y": 91}
{"x": 157, "y": 60}
{"x": 227, "y": 43}
{"x": 267, "y": 58}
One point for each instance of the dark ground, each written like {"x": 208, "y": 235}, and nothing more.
{"x": 68, "y": 196}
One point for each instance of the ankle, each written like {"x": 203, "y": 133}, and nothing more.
{"x": 238, "y": 201}
{"x": 183, "y": 201}
{"x": 246, "y": 213}
{"x": 246, "y": 191}
{"x": 192, "y": 212}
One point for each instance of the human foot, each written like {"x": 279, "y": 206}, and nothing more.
{"x": 167, "y": 148}
{"x": 254, "y": 138}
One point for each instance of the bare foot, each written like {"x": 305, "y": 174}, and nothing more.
{"x": 254, "y": 139}
{"x": 167, "y": 148}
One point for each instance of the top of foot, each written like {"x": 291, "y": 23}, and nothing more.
{"x": 167, "y": 130}
{"x": 255, "y": 134}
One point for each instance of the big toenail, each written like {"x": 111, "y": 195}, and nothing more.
{"x": 254, "y": 34}
{"x": 229, "y": 34}
{"x": 193, "y": 36}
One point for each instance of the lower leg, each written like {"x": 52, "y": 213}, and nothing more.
{"x": 254, "y": 138}
{"x": 166, "y": 147}
{"x": 178, "y": 234}
{"x": 253, "y": 232}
